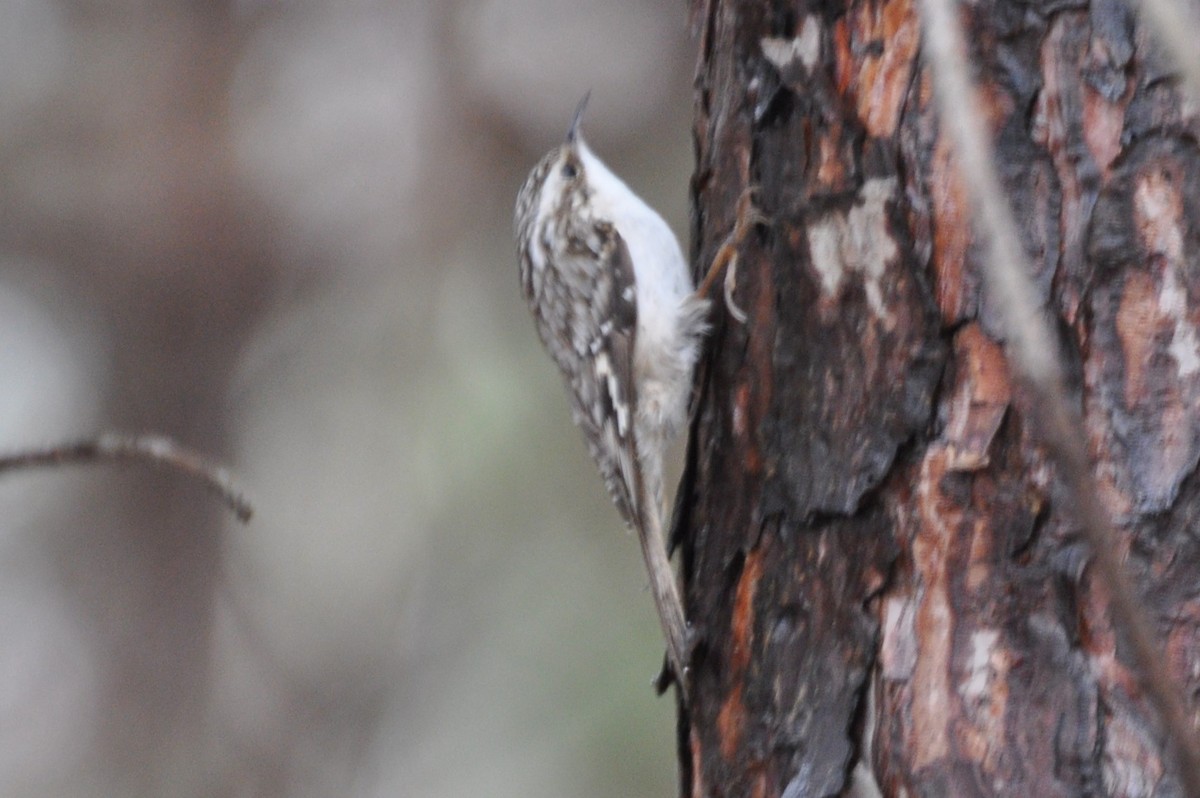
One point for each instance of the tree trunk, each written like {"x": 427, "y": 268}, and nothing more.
{"x": 888, "y": 587}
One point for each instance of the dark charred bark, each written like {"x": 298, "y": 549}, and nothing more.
{"x": 877, "y": 553}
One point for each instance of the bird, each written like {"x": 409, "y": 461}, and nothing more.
{"x": 615, "y": 307}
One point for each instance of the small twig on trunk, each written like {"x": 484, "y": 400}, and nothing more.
{"x": 1035, "y": 353}
{"x": 153, "y": 449}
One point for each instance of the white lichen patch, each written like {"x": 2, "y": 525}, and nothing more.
{"x": 1172, "y": 302}
{"x": 804, "y": 48}
{"x": 898, "y": 652}
{"x": 1158, "y": 213}
{"x": 984, "y": 692}
{"x": 979, "y": 666}
{"x": 857, "y": 241}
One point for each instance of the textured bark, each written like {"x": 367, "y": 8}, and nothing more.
{"x": 877, "y": 553}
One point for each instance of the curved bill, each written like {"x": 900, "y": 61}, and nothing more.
{"x": 573, "y": 132}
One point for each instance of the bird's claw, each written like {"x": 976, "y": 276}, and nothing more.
{"x": 748, "y": 215}
{"x": 667, "y": 675}
{"x": 730, "y": 283}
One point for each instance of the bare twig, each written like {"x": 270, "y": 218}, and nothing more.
{"x": 154, "y": 449}
{"x": 1035, "y": 353}
{"x": 1176, "y": 24}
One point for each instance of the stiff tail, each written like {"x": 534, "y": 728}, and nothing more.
{"x": 666, "y": 594}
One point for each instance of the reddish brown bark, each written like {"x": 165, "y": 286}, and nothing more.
{"x": 877, "y": 552}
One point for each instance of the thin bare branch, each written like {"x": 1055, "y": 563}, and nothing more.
{"x": 1176, "y": 24}
{"x": 1034, "y": 351}
{"x": 154, "y": 449}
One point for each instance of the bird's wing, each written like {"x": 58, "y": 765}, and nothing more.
{"x": 616, "y": 412}
{"x": 587, "y": 317}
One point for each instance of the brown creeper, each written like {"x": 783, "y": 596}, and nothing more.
{"x": 616, "y": 309}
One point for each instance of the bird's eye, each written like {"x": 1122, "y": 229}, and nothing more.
{"x": 569, "y": 170}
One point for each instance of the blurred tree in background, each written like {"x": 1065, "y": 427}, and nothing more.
{"x": 281, "y": 234}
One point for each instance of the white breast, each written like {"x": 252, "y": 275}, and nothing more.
{"x": 661, "y": 272}
{"x": 670, "y": 319}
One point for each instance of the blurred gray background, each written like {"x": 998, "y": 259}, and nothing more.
{"x": 281, "y": 234}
